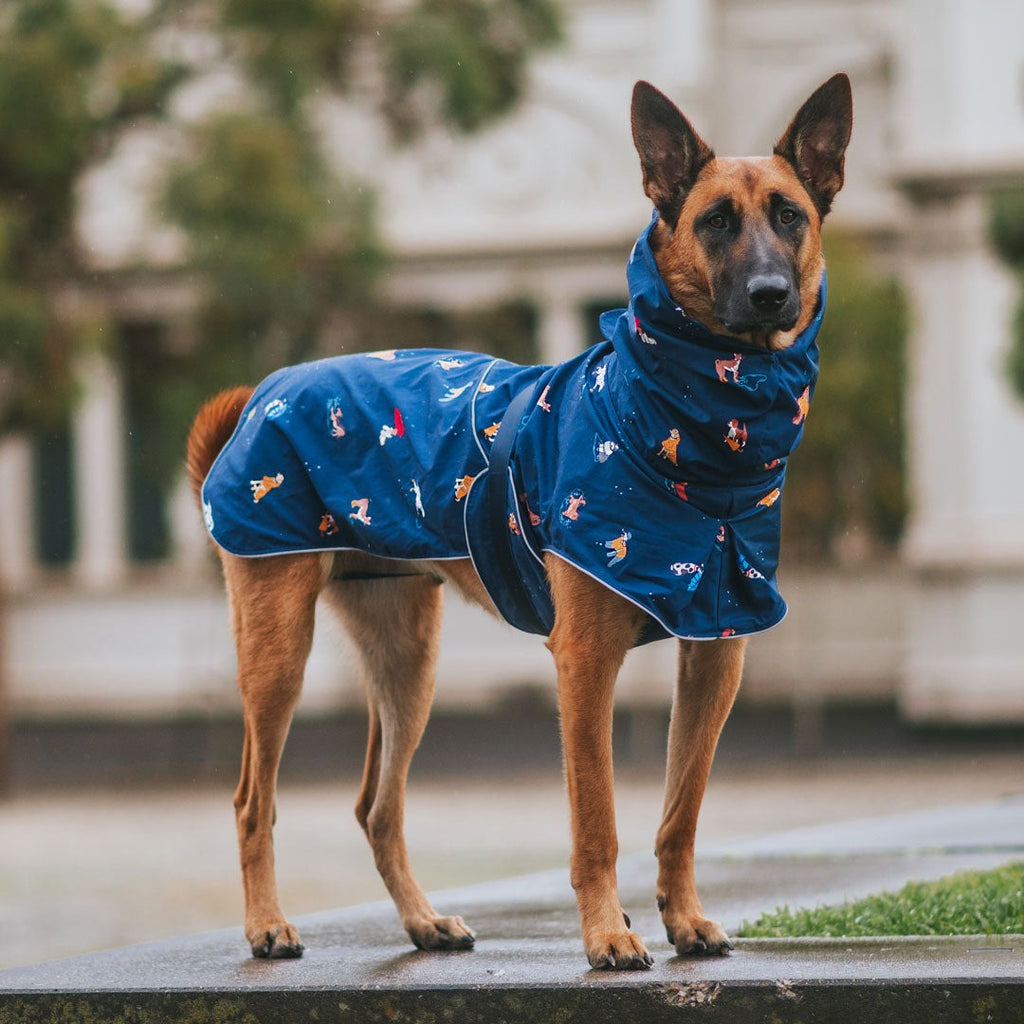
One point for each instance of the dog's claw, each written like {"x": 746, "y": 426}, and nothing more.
{"x": 279, "y": 944}
{"x": 698, "y": 937}
{"x": 704, "y": 947}
{"x": 633, "y": 963}
{"x": 442, "y": 933}
{"x": 278, "y": 951}
{"x": 621, "y": 953}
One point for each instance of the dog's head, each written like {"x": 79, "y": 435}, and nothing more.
{"x": 738, "y": 241}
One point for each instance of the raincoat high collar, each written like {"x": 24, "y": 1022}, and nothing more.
{"x": 661, "y": 354}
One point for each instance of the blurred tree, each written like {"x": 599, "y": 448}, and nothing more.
{"x": 72, "y": 76}
{"x": 1007, "y": 231}
{"x": 845, "y": 495}
{"x": 276, "y": 239}
{"x": 281, "y": 241}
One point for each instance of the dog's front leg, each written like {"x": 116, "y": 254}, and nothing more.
{"x": 594, "y": 628}
{"x": 709, "y": 676}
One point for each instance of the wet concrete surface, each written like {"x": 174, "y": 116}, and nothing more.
{"x": 528, "y": 963}
{"x": 92, "y": 869}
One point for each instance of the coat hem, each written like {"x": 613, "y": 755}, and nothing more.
{"x": 657, "y": 618}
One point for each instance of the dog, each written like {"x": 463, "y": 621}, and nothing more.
{"x": 715, "y": 352}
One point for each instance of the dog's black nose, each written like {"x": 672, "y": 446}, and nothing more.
{"x": 768, "y": 292}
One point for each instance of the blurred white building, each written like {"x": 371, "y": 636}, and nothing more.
{"x": 543, "y": 208}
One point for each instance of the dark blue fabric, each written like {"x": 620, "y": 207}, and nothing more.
{"x": 653, "y": 461}
{"x": 525, "y": 597}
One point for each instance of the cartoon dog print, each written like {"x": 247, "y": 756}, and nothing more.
{"x": 417, "y": 495}
{"x": 803, "y": 406}
{"x": 362, "y": 511}
{"x": 669, "y": 447}
{"x": 262, "y": 487}
{"x": 748, "y": 570}
{"x": 533, "y": 517}
{"x": 604, "y": 450}
{"x": 334, "y": 413}
{"x": 398, "y": 430}
{"x": 691, "y": 569}
{"x": 571, "y": 507}
{"x": 617, "y": 547}
{"x": 462, "y": 486}
{"x": 731, "y": 367}
{"x": 454, "y": 393}
{"x": 736, "y": 436}
{"x": 642, "y": 334}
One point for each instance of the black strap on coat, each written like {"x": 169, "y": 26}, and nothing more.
{"x": 512, "y": 580}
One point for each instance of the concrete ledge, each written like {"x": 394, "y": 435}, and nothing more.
{"x": 528, "y": 965}
{"x": 932, "y": 981}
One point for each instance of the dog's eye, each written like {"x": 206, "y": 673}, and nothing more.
{"x": 787, "y": 215}
{"x": 717, "y": 221}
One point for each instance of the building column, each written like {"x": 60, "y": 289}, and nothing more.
{"x": 17, "y": 539}
{"x": 958, "y": 133}
{"x": 99, "y": 476}
{"x": 965, "y": 543}
{"x": 560, "y": 334}
{"x": 190, "y": 545}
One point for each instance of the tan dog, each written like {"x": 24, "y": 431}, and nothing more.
{"x": 738, "y": 244}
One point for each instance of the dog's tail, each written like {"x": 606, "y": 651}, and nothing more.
{"x": 213, "y": 426}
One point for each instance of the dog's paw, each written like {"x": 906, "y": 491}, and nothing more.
{"x": 698, "y": 936}
{"x": 276, "y": 942}
{"x": 624, "y": 951}
{"x": 441, "y": 933}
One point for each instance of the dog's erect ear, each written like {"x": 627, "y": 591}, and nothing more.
{"x": 671, "y": 152}
{"x": 815, "y": 142}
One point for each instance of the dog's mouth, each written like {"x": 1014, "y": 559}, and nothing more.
{"x": 768, "y": 335}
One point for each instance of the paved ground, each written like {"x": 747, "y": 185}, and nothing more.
{"x": 528, "y": 965}
{"x": 104, "y": 869}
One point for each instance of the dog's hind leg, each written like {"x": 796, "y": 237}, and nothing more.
{"x": 709, "y": 677}
{"x": 395, "y": 624}
{"x": 272, "y": 603}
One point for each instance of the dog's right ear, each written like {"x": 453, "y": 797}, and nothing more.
{"x": 671, "y": 152}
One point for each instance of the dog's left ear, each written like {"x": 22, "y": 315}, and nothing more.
{"x": 816, "y": 140}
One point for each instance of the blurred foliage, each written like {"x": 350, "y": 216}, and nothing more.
{"x": 1007, "y": 231}
{"x": 845, "y": 491}
{"x": 278, "y": 242}
{"x": 464, "y": 56}
{"x": 71, "y": 77}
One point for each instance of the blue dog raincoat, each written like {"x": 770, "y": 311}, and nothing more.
{"x": 653, "y": 461}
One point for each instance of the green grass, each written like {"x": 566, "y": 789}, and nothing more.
{"x": 967, "y": 903}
